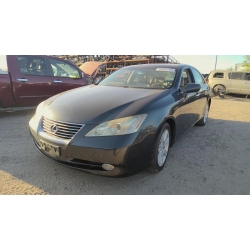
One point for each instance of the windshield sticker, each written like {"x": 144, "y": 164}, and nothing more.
{"x": 141, "y": 73}
{"x": 165, "y": 69}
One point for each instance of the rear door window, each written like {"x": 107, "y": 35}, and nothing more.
{"x": 235, "y": 75}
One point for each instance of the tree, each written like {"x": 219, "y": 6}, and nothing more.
{"x": 230, "y": 69}
{"x": 246, "y": 63}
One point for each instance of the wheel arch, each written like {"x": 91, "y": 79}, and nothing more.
{"x": 219, "y": 84}
{"x": 172, "y": 125}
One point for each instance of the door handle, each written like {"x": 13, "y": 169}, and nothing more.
{"x": 22, "y": 80}
{"x": 57, "y": 81}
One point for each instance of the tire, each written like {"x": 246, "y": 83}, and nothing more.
{"x": 203, "y": 120}
{"x": 160, "y": 149}
{"x": 219, "y": 90}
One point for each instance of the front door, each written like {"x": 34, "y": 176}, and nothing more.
{"x": 188, "y": 103}
{"x": 65, "y": 76}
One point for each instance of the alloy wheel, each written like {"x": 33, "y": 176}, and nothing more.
{"x": 163, "y": 148}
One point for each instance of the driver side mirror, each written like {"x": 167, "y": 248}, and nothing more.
{"x": 192, "y": 87}
{"x": 75, "y": 75}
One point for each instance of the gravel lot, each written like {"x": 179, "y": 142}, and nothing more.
{"x": 214, "y": 159}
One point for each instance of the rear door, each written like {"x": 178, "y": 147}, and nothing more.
{"x": 65, "y": 76}
{"x": 31, "y": 80}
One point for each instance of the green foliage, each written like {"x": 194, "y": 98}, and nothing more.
{"x": 230, "y": 69}
{"x": 246, "y": 63}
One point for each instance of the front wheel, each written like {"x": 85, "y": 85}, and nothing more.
{"x": 160, "y": 149}
{"x": 219, "y": 89}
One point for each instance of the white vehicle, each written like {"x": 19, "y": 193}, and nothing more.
{"x": 225, "y": 82}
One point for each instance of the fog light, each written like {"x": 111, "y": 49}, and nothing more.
{"x": 108, "y": 166}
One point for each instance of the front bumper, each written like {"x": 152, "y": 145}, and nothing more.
{"x": 126, "y": 153}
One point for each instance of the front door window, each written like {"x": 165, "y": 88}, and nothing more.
{"x": 63, "y": 69}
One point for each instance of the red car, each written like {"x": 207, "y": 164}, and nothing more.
{"x": 27, "y": 80}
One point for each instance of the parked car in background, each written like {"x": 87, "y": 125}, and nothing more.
{"x": 124, "y": 124}
{"x": 27, "y": 80}
{"x": 93, "y": 68}
{"x": 226, "y": 82}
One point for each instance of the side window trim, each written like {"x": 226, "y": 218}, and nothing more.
{"x": 189, "y": 77}
{"x": 48, "y": 66}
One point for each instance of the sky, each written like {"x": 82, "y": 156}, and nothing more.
{"x": 206, "y": 63}
{"x": 2, "y": 62}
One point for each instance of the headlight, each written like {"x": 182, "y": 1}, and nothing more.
{"x": 122, "y": 126}
{"x": 39, "y": 111}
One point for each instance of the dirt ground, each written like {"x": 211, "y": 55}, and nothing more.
{"x": 214, "y": 159}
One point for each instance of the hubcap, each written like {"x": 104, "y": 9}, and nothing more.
{"x": 219, "y": 89}
{"x": 163, "y": 148}
{"x": 206, "y": 114}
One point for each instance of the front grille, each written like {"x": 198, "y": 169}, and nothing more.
{"x": 60, "y": 129}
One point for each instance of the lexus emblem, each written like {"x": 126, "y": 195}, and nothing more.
{"x": 54, "y": 128}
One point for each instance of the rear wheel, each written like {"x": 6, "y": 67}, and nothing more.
{"x": 203, "y": 120}
{"x": 219, "y": 90}
{"x": 160, "y": 149}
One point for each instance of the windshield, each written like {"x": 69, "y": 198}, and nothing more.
{"x": 157, "y": 78}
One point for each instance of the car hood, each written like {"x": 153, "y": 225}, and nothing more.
{"x": 96, "y": 103}
{"x": 91, "y": 68}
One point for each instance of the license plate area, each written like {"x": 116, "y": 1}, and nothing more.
{"x": 50, "y": 148}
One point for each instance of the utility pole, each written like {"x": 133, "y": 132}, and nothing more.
{"x": 215, "y": 62}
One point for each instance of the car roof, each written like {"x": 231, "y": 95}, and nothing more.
{"x": 158, "y": 65}
{"x": 228, "y": 71}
